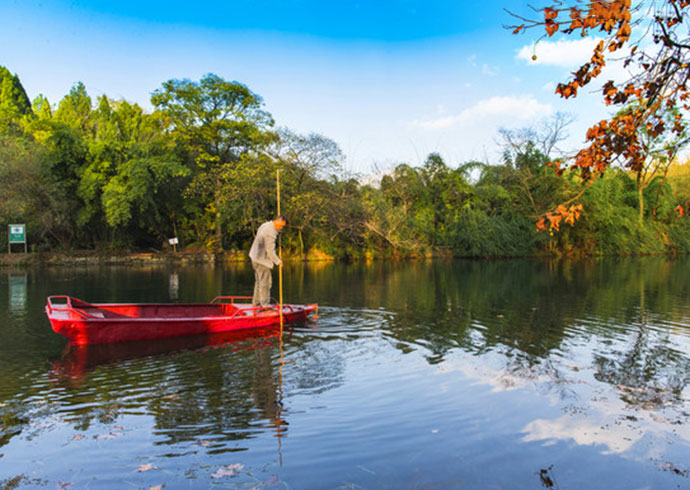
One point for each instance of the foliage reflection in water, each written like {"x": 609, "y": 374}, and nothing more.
{"x": 504, "y": 374}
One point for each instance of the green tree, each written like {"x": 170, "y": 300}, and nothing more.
{"x": 399, "y": 212}
{"x": 29, "y": 193}
{"x": 214, "y": 123}
{"x": 307, "y": 161}
{"x": 75, "y": 108}
{"x": 435, "y": 176}
{"x": 658, "y": 148}
{"x": 14, "y": 103}
{"x": 130, "y": 167}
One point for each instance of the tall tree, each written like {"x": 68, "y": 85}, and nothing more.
{"x": 75, "y": 108}
{"x": 30, "y": 194}
{"x": 214, "y": 122}
{"x": 130, "y": 165}
{"x": 660, "y": 149}
{"x": 14, "y": 103}
{"x": 307, "y": 161}
{"x": 435, "y": 175}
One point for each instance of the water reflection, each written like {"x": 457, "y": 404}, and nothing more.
{"x": 174, "y": 286}
{"x": 17, "y": 292}
{"x": 605, "y": 422}
{"x": 76, "y": 361}
{"x": 420, "y": 373}
{"x": 214, "y": 386}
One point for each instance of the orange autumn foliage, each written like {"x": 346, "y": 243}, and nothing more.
{"x": 661, "y": 80}
{"x": 552, "y": 220}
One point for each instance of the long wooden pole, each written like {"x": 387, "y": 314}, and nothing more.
{"x": 280, "y": 256}
{"x": 280, "y": 306}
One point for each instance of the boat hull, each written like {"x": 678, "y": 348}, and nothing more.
{"x": 85, "y": 323}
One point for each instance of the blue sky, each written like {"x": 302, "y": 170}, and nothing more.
{"x": 389, "y": 81}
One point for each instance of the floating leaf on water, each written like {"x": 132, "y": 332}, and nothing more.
{"x": 64, "y": 484}
{"x": 171, "y": 397}
{"x": 146, "y": 467}
{"x": 78, "y": 437}
{"x": 118, "y": 427}
{"x": 157, "y": 487}
{"x": 221, "y": 472}
{"x": 229, "y": 470}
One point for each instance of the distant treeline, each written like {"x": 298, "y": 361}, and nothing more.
{"x": 107, "y": 175}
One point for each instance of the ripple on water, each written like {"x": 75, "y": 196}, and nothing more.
{"x": 402, "y": 394}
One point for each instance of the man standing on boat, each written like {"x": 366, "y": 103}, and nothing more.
{"x": 263, "y": 256}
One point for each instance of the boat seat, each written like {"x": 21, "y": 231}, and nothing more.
{"x": 101, "y": 313}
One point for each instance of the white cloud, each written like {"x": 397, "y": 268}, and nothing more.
{"x": 500, "y": 379}
{"x": 524, "y": 107}
{"x": 571, "y": 55}
{"x": 564, "y": 53}
{"x": 615, "y": 439}
{"x": 605, "y": 424}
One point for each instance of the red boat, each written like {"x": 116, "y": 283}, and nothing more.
{"x": 86, "y": 323}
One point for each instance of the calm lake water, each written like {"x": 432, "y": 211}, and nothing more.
{"x": 467, "y": 374}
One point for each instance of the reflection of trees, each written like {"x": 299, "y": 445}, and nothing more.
{"x": 650, "y": 374}
{"x": 524, "y": 312}
{"x": 209, "y": 391}
{"x": 192, "y": 391}
{"x": 222, "y": 388}
{"x": 527, "y": 311}
{"x": 216, "y": 394}
{"x": 316, "y": 367}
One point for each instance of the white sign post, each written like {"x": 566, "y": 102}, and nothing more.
{"x": 173, "y": 242}
{"x": 16, "y": 234}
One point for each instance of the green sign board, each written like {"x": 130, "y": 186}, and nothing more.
{"x": 17, "y": 233}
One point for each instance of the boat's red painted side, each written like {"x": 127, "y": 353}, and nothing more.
{"x": 86, "y": 323}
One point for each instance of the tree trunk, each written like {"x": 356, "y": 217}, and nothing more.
{"x": 301, "y": 243}
{"x": 219, "y": 231}
{"x": 640, "y": 197}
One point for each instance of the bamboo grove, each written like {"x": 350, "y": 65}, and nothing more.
{"x": 105, "y": 174}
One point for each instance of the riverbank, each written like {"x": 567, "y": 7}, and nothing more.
{"x": 90, "y": 257}
{"x": 103, "y": 258}
{"x": 139, "y": 258}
